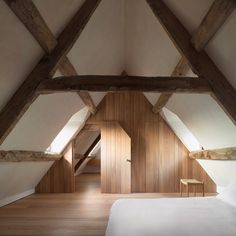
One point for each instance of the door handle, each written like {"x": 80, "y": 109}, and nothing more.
{"x": 128, "y": 160}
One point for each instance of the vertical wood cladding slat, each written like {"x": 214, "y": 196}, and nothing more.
{"x": 159, "y": 159}
{"x": 115, "y": 150}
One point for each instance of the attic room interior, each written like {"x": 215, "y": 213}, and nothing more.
{"x": 118, "y": 117}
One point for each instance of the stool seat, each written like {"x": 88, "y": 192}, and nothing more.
{"x": 191, "y": 181}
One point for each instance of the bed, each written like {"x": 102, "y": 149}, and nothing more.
{"x": 209, "y": 216}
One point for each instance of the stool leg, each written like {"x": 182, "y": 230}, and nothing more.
{"x": 180, "y": 185}
{"x": 203, "y": 190}
{"x": 194, "y": 190}
{"x": 188, "y": 190}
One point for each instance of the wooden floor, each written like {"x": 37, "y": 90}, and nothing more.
{"x": 82, "y": 213}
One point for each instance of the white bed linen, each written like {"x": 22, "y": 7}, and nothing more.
{"x": 172, "y": 217}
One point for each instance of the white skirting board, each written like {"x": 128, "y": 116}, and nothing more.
{"x": 8, "y": 200}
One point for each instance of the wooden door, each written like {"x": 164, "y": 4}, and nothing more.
{"x": 115, "y": 159}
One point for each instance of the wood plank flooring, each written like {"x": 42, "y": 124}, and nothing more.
{"x": 82, "y": 213}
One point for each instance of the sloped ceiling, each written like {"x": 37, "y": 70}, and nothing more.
{"x": 99, "y": 50}
{"x": 42, "y": 122}
{"x": 206, "y": 120}
{"x": 222, "y": 49}
{"x": 149, "y": 51}
{"x": 15, "y": 43}
{"x": 57, "y": 13}
{"x": 122, "y": 34}
{"x": 190, "y": 12}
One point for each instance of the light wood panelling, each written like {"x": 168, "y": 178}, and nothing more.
{"x": 60, "y": 177}
{"x": 159, "y": 159}
{"x": 115, "y": 150}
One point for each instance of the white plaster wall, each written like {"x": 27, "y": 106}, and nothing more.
{"x": 69, "y": 131}
{"x": 222, "y": 49}
{"x": 223, "y": 173}
{"x": 149, "y": 51}
{"x": 97, "y": 97}
{"x": 19, "y": 53}
{"x": 152, "y": 97}
{"x": 181, "y": 131}
{"x": 100, "y": 48}
{"x": 57, "y": 13}
{"x": 42, "y": 122}
{"x": 205, "y": 119}
{"x": 190, "y": 12}
{"x": 17, "y": 178}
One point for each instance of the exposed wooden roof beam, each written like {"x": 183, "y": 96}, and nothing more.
{"x": 224, "y": 92}
{"x": 218, "y": 13}
{"x": 161, "y": 102}
{"x": 217, "y": 154}
{"x": 86, "y": 155}
{"x": 20, "y": 156}
{"x": 88, "y": 101}
{"x": 181, "y": 69}
{"x": 214, "y": 19}
{"x": 25, "y": 94}
{"x": 125, "y": 83}
{"x": 29, "y": 15}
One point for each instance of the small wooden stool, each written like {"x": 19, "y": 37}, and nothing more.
{"x": 191, "y": 182}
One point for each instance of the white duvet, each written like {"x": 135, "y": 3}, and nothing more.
{"x": 172, "y": 217}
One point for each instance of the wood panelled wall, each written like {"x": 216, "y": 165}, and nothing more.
{"x": 60, "y": 177}
{"x": 159, "y": 159}
{"x": 115, "y": 150}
